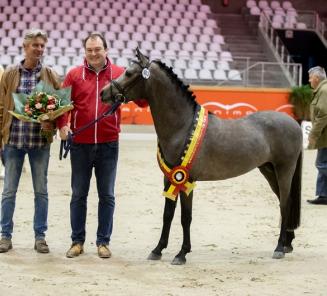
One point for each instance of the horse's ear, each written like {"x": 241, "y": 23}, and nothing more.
{"x": 142, "y": 58}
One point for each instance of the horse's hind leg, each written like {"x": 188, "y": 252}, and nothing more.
{"x": 168, "y": 216}
{"x": 186, "y": 219}
{"x": 284, "y": 176}
{"x": 288, "y": 248}
{"x": 269, "y": 172}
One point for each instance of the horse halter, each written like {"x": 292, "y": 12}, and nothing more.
{"x": 122, "y": 94}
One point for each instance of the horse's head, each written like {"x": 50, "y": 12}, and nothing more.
{"x": 131, "y": 84}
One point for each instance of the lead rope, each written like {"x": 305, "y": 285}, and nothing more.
{"x": 65, "y": 145}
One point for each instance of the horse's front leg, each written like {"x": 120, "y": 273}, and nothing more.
{"x": 168, "y": 216}
{"x": 186, "y": 219}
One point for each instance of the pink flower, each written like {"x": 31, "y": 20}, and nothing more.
{"x": 51, "y": 106}
{"x": 38, "y": 106}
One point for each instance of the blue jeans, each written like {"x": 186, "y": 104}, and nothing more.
{"x": 39, "y": 161}
{"x": 103, "y": 157}
{"x": 321, "y": 165}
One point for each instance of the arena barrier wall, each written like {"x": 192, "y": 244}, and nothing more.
{"x": 227, "y": 103}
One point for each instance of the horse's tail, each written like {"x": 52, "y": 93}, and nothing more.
{"x": 294, "y": 206}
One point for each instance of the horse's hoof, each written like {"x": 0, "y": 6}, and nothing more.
{"x": 278, "y": 255}
{"x": 154, "y": 256}
{"x": 288, "y": 249}
{"x": 178, "y": 261}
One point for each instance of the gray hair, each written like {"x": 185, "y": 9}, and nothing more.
{"x": 34, "y": 33}
{"x": 318, "y": 71}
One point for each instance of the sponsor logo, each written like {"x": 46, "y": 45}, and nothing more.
{"x": 230, "y": 111}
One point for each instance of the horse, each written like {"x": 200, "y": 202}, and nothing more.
{"x": 268, "y": 140}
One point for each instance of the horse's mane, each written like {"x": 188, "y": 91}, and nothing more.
{"x": 174, "y": 78}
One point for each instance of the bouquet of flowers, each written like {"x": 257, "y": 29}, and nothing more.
{"x": 43, "y": 104}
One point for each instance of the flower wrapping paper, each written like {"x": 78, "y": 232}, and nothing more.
{"x": 63, "y": 104}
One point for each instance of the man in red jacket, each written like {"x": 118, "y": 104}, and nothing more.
{"x": 96, "y": 146}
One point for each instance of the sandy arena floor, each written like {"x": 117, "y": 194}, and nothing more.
{"x": 234, "y": 232}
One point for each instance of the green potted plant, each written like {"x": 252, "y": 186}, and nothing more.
{"x": 301, "y": 97}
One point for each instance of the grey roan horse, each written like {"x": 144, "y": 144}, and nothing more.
{"x": 271, "y": 141}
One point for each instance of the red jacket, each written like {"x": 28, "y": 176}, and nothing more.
{"x": 86, "y": 87}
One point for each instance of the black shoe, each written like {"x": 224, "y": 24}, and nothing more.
{"x": 320, "y": 200}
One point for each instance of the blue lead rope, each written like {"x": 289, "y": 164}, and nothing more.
{"x": 65, "y": 145}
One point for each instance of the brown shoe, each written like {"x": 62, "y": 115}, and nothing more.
{"x": 5, "y": 245}
{"x": 103, "y": 251}
{"x": 41, "y": 246}
{"x": 75, "y": 250}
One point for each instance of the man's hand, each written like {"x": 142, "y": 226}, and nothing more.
{"x": 64, "y": 132}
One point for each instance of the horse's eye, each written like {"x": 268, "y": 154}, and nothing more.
{"x": 128, "y": 74}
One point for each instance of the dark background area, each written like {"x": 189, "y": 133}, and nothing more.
{"x": 304, "y": 46}
{"x": 234, "y": 6}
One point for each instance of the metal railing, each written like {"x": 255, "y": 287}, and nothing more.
{"x": 293, "y": 71}
{"x": 254, "y": 74}
{"x": 263, "y": 74}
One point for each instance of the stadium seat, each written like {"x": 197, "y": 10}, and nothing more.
{"x": 49, "y": 60}
{"x": 215, "y": 47}
{"x": 188, "y": 46}
{"x": 301, "y": 25}
{"x": 190, "y": 74}
{"x": 13, "y": 50}
{"x": 59, "y": 69}
{"x": 155, "y": 54}
{"x": 184, "y": 54}
{"x": 287, "y": 5}
{"x": 226, "y": 56}
{"x": 202, "y": 47}
{"x": 209, "y": 65}
{"x": 55, "y": 51}
{"x": 5, "y": 60}
{"x": 4, "y": 3}
{"x": 6, "y": 41}
{"x": 223, "y": 65}
{"x": 219, "y": 74}
{"x": 70, "y": 52}
{"x": 205, "y": 74}
{"x": 194, "y": 39}
{"x": 255, "y": 10}
{"x": 195, "y": 64}
{"x": 180, "y": 64}
{"x": 174, "y": 46}
{"x": 122, "y": 62}
{"x": 18, "y": 59}
{"x": 263, "y": 4}
{"x": 14, "y": 33}
{"x": 251, "y": 3}
{"x": 14, "y": 17}
{"x": 159, "y": 45}
{"x": 234, "y": 75}
{"x": 198, "y": 55}
{"x": 8, "y": 10}
{"x": 171, "y": 54}
{"x": 274, "y": 4}
{"x": 164, "y": 37}
{"x": 212, "y": 55}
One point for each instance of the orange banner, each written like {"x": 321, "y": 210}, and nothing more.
{"x": 227, "y": 103}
